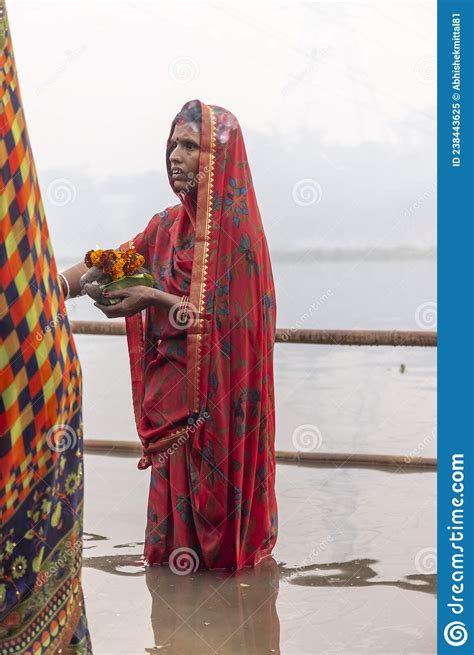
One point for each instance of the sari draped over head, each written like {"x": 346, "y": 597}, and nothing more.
{"x": 41, "y": 485}
{"x": 204, "y": 395}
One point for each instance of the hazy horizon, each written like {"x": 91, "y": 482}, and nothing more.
{"x": 337, "y": 117}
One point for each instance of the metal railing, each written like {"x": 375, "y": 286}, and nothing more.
{"x": 398, "y": 463}
{"x": 291, "y": 335}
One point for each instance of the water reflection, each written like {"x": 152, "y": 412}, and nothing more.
{"x": 354, "y": 573}
{"x": 220, "y": 612}
{"x": 214, "y": 611}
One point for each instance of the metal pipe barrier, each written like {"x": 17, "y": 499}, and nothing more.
{"x": 399, "y": 463}
{"x": 360, "y": 460}
{"x": 419, "y": 338}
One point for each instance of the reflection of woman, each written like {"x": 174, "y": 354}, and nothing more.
{"x": 203, "y": 390}
{"x": 216, "y": 612}
{"x": 41, "y": 477}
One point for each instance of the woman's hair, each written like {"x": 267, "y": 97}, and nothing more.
{"x": 191, "y": 113}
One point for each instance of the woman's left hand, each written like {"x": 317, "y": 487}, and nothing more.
{"x": 133, "y": 300}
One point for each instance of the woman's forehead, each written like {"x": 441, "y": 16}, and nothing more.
{"x": 185, "y": 129}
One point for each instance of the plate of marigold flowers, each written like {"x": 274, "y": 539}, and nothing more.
{"x": 112, "y": 270}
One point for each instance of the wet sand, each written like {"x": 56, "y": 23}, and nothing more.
{"x": 353, "y": 570}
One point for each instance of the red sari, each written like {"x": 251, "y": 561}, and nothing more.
{"x": 204, "y": 396}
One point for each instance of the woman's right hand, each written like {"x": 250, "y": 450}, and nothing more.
{"x": 87, "y": 280}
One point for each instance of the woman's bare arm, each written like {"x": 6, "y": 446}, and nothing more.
{"x": 73, "y": 276}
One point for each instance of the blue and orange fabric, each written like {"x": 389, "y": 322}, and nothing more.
{"x": 41, "y": 448}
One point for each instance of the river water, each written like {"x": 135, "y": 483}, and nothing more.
{"x": 354, "y": 567}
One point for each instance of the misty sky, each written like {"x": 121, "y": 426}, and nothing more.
{"x": 337, "y": 104}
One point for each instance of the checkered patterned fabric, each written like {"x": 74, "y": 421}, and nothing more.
{"x": 40, "y": 371}
{"x": 41, "y": 482}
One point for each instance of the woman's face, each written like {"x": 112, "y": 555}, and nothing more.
{"x": 184, "y": 155}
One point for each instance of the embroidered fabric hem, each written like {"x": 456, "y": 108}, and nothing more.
{"x": 162, "y": 445}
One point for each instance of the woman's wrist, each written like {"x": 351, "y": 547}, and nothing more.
{"x": 65, "y": 286}
{"x": 163, "y": 299}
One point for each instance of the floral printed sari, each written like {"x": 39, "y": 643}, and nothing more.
{"x": 204, "y": 396}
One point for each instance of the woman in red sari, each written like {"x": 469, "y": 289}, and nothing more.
{"x": 203, "y": 387}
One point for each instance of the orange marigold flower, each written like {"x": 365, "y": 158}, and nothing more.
{"x": 115, "y": 263}
{"x": 87, "y": 259}
{"x": 95, "y": 257}
{"x": 133, "y": 263}
{"x": 117, "y": 270}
